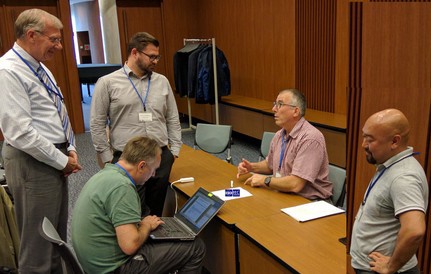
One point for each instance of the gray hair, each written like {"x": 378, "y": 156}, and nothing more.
{"x": 34, "y": 19}
{"x": 140, "y": 149}
{"x": 298, "y": 99}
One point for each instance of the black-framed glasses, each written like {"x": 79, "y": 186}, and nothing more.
{"x": 152, "y": 57}
{"x": 279, "y": 104}
{"x": 54, "y": 40}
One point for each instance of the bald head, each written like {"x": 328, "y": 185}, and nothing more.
{"x": 385, "y": 134}
{"x": 392, "y": 122}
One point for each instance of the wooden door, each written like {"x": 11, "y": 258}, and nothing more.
{"x": 141, "y": 16}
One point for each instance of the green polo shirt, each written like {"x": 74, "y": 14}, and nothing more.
{"x": 109, "y": 199}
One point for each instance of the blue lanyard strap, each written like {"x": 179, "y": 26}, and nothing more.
{"x": 284, "y": 141}
{"x": 136, "y": 90}
{"x": 127, "y": 173}
{"x": 380, "y": 175}
{"x": 50, "y": 90}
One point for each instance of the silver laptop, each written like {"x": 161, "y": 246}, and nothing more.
{"x": 191, "y": 219}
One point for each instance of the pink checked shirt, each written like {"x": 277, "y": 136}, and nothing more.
{"x": 305, "y": 156}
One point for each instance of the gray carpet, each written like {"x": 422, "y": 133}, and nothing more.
{"x": 242, "y": 147}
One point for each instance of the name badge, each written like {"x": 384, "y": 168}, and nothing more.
{"x": 145, "y": 117}
{"x": 277, "y": 175}
{"x": 232, "y": 193}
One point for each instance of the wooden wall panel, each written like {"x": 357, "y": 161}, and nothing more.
{"x": 390, "y": 67}
{"x": 341, "y": 57}
{"x": 353, "y": 117}
{"x": 315, "y": 58}
{"x": 258, "y": 39}
{"x": 179, "y": 22}
{"x": 203, "y": 112}
{"x": 425, "y": 252}
{"x": 170, "y": 21}
{"x": 237, "y": 117}
{"x": 4, "y": 43}
{"x": 405, "y": 57}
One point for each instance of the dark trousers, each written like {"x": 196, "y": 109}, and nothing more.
{"x": 153, "y": 192}
{"x": 39, "y": 190}
{"x": 166, "y": 257}
{"x": 414, "y": 270}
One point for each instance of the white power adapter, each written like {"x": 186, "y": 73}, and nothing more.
{"x": 186, "y": 180}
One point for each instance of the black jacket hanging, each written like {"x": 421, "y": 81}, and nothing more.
{"x": 181, "y": 63}
{"x": 192, "y": 71}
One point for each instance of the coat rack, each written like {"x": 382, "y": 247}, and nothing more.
{"x": 189, "y": 108}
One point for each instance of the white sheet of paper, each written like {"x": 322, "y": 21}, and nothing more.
{"x": 242, "y": 194}
{"x": 311, "y": 211}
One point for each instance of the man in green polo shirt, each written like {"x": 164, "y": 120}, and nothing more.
{"x": 108, "y": 234}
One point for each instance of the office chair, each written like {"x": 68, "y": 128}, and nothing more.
{"x": 264, "y": 145}
{"x": 214, "y": 139}
{"x": 70, "y": 262}
{"x": 337, "y": 176}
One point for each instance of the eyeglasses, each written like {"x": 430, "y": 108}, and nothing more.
{"x": 279, "y": 104}
{"x": 54, "y": 40}
{"x": 152, "y": 57}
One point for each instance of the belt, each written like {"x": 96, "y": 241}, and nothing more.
{"x": 59, "y": 146}
{"x": 62, "y": 145}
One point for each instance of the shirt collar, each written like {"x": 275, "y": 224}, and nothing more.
{"x": 297, "y": 128}
{"x": 122, "y": 171}
{"x": 395, "y": 158}
{"x": 130, "y": 72}
{"x": 24, "y": 54}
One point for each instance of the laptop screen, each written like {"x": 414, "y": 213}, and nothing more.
{"x": 199, "y": 210}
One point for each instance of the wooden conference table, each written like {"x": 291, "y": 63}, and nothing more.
{"x": 252, "y": 235}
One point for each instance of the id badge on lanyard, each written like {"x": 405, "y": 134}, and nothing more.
{"x": 145, "y": 117}
{"x": 142, "y": 116}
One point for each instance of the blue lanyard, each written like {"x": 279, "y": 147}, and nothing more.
{"x": 380, "y": 175}
{"x": 283, "y": 147}
{"x": 50, "y": 90}
{"x": 136, "y": 90}
{"x": 127, "y": 173}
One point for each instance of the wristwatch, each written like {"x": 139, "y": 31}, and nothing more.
{"x": 267, "y": 181}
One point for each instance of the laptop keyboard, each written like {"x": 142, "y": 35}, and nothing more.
{"x": 170, "y": 227}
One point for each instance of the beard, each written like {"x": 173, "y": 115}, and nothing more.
{"x": 144, "y": 68}
{"x": 369, "y": 157}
